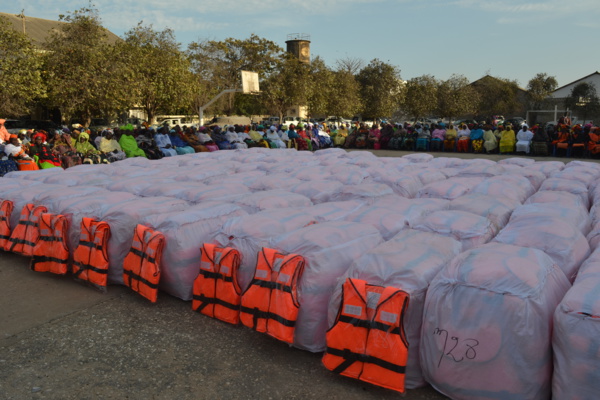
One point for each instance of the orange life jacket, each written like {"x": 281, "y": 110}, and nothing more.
{"x": 25, "y": 235}
{"x": 6, "y": 209}
{"x": 90, "y": 259}
{"x": 270, "y": 304}
{"x": 141, "y": 267}
{"x": 367, "y": 341}
{"x": 51, "y": 253}
{"x": 216, "y": 289}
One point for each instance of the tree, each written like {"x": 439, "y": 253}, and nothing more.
{"x": 217, "y": 65}
{"x": 539, "y": 88}
{"x": 380, "y": 89}
{"x": 84, "y": 74}
{"x": 456, "y": 97}
{"x": 164, "y": 81}
{"x": 321, "y": 84}
{"x": 20, "y": 77}
{"x": 420, "y": 96}
{"x": 344, "y": 98}
{"x": 350, "y": 64}
{"x": 498, "y": 96}
{"x": 584, "y": 100}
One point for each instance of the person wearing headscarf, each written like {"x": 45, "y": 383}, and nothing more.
{"x": 476, "y": 137}
{"x": 524, "y": 137}
{"x": 274, "y": 139}
{"x": 64, "y": 146}
{"x": 164, "y": 143}
{"x": 129, "y": 144}
{"x": 450, "y": 140}
{"x": 111, "y": 147}
{"x": 193, "y": 142}
{"x": 540, "y": 141}
{"x": 438, "y": 135}
{"x": 16, "y": 152}
{"x": 490, "y": 143}
{"x": 373, "y": 137}
{"x": 340, "y": 136}
{"x": 179, "y": 143}
{"x": 507, "y": 140}
{"x": 464, "y": 138}
{"x": 282, "y": 132}
{"x": 86, "y": 150}
{"x": 46, "y": 157}
{"x": 145, "y": 142}
{"x": 423, "y": 137}
{"x": 4, "y": 134}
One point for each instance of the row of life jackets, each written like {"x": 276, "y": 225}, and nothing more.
{"x": 270, "y": 304}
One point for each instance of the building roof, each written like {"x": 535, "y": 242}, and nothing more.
{"x": 488, "y": 78}
{"x": 39, "y": 30}
{"x": 578, "y": 80}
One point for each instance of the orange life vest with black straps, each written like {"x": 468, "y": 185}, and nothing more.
{"x": 90, "y": 259}
{"x": 270, "y": 304}
{"x": 51, "y": 253}
{"x": 367, "y": 341}
{"x": 216, "y": 289}
{"x": 25, "y": 235}
{"x": 6, "y": 209}
{"x": 141, "y": 268}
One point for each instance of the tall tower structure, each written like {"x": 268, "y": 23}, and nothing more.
{"x": 298, "y": 44}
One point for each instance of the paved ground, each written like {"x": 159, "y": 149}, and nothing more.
{"x": 62, "y": 340}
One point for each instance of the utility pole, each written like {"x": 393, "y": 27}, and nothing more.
{"x": 22, "y": 16}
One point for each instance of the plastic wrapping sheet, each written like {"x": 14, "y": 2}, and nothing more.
{"x": 520, "y": 161}
{"x": 135, "y": 162}
{"x": 21, "y": 196}
{"x": 584, "y": 164}
{"x": 447, "y": 162}
{"x": 135, "y": 171}
{"x": 535, "y": 178}
{"x": 368, "y": 192}
{"x": 173, "y": 189}
{"x": 310, "y": 173}
{"x": 512, "y": 186}
{"x": 249, "y": 233}
{"x": 470, "y": 230}
{"x": 330, "y": 152}
{"x": 318, "y": 190}
{"x": 575, "y": 337}
{"x": 449, "y": 189}
{"x": 572, "y": 186}
{"x": 587, "y": 176}
{"x": 413, "y": 209}
{"x": 418, "y": 157}
{"x": 240, "y": 178}
{"x": 69, "y": 192}
{"x": 334, "y": 210}
{"x": 123, "y": 218}
{"x": 403, "y": 185}
{"x": 409, "y": 261}
{"x": 561, "y": 198}
{"x": 74, "y": 178}
{"x": 38, "y": 175}
{"x": 360, "y": 154}
{"x": 329, "y": 249}
{"x": 409, "y": 167}
{"x": 200, "y": 174}
{"x": 427, "y": 176}
{"x": 348, "y": 174}
{"x": 271, "y": 199}
{"x": 274, "y": 181}
{"x": 547, "y": 167}
{"x": 558, "y": 238}
{"x": 484, "y": 170}
{"x": 593, "y": 237}
{"x": 185, "y": 232}
{"x": 496, "y": 209}
{"x": 136, "y": 185}
{"x": 574, "y": 214}
{"x": 365, "y": 162}
{"x": 227, "y": 192}
{"x": 487, "y": 324}
{"x": 387, "y": 222}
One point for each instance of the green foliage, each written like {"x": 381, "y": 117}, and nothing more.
{"x": 456, "y": 97}
{"x": 421, "y": 96}
{"x": 498, "y": 96}
{"x": 539, "y": 88}
{"x": 162, "y": 78}
{"x": 20, "y": 77}
{"x": 380, "y": 89}
{"x": 584, "y": 100}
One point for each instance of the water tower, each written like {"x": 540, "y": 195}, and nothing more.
{"x": 298, "y": 44}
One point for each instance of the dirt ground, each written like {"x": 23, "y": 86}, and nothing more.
{"x": 62, "y": 340}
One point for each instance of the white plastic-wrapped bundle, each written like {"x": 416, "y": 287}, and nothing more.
{"x": 547, "y": 167}
{"x": 512, "y": 186}
{"x": 201, "y": 174}
{"x": 418, "y": 157}
{"x": 274, "y": 181}
{"x": 585, "y": 175}
{"x": 136, "y": 185}
{"x": 16, "y": 183}
{"x": 135, "y": 162}
{"x": 520, "y": 161}
{"x": 73, "y": 178}
{"x": 271, "y": 199}
{"x": 584, "y": 164}
{"x": 38, "y": 175}
{"x": 171, "y": 189}
{"x": 21, "y": 196}
{"x": 403, "y": 185}
{"x": 413, "y": 209}
{"x": 575, "y": 336}
{"x": 487, "y": 324}
{"x": 348, "y": 174}
{"x": 334, "y": 210}
{"x": 75, "y": 208}
{"x": 309, "y": 173}
{"x": 572, "y": 186}
{"x": 249, "y": 233}
{"x": 134, "y": 171}
{"x": 574, "y": 214}
{"x": 427, "y": 176}
{"x": 185, "y": 232}
{"x": 329, "y": 249}
{"x": 558, "y": 238}
{"x": 68, "y": 192}
{"x": 469, "y": 229}
{"x": 318, "y": 190}
{"x": 484, "y": 170}
{"x": 562, "y": 198}
{"x": 216, "y": 192}
{"x": 241, "y": 178}
{"x": 123, "y": 218}
{"x": 449, "y": 189}
{"x": 330, "y": 152}
{"x": 368, "y": 192}
{"x": 593, "y": 237}
{"x": 536, "y": 178}
{"x": 387, "y": 222}
{"x": 496, "y": 209}
{"x": 409, "y": 261}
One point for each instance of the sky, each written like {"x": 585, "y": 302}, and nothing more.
{"x": 504, "y": 38}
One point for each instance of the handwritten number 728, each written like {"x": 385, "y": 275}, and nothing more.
{"x": 452, "y": 342}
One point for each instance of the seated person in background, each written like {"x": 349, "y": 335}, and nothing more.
{"x": 179, "y": 143}
{"x": 438, "y": 136}
{"x": 540, "y": 141}
{"x": 89, "y": 153}
{"x": 164, "y": 143}
{"x": 145, "y": 142}
{"x": 46, "y": 157}
{"x": 110, "y": 146}
{"x": 374, "y": 136}
{"x": 274, "y": 139}
{"x": 524, "y": 137}
{"x": 507, "y": 140}
{"x": 129, "y": 144}
{"x": 463, "y": 139}
{"x": 193, "y": 141}
{"x": 490, "y": 143}
{"x": 476, "y": 137}
{"x": 16, "y": 152}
